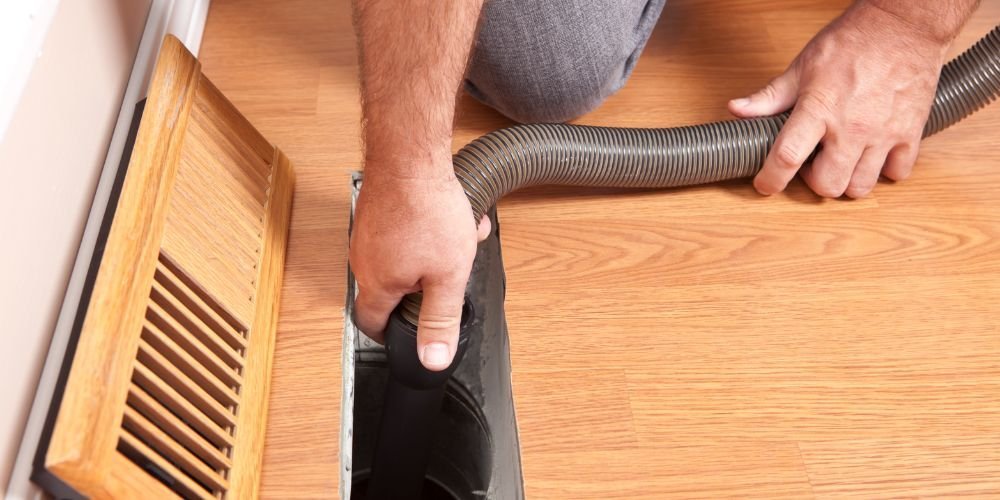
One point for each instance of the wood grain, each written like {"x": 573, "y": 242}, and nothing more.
{"x": 171, "y": 373}
{"x": 248, "y": 451}
{"x": 701, "y": 342}
{"x": 952, "y": 466}
{"x": 81, "y": 448}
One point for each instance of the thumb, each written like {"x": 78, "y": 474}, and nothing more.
{"x": 437, "y": 326}
{"x": 777, "y": 96}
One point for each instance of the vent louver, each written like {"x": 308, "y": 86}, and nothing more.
{"x": 166, "y": 393}
{"x": 181, "y": 412}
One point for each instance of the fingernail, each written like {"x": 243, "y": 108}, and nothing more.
{"x": 741, "y": 102}
{"x": 435, "y": 354}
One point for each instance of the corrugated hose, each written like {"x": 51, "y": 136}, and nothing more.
{"x": 575, "y": 155}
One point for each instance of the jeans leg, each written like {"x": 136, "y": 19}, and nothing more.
{"x": 553, "y": 60}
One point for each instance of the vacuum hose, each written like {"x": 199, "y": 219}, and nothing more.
{"x": 575, "y": 155}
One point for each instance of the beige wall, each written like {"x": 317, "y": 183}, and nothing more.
{"x": 50, "y": 160}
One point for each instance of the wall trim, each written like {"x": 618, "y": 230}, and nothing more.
{"x": 185, "y": 19}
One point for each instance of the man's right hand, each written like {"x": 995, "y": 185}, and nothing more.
{"x": 413, "y": 228}
{"x": 415, "y": 235}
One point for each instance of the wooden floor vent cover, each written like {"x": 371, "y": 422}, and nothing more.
{"x": 164, "y": 389}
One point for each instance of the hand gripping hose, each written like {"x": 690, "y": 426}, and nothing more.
{"x": 574, "y": 155}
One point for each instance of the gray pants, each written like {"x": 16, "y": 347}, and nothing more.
{"x": 553, "y": 60}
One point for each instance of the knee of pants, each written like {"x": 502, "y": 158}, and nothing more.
{"x": 536, "y": 97}
{"x": 535, "y": 62}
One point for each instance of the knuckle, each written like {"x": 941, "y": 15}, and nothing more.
{"x": 840, "y": 162}
{"x": 769, "y": 92}
{"x": 904, "y": 136}
{"x": 438, "y": 326}
{"x": 789, "y": 156}
{"x": 857, "y": 127}
{"x": 817, "y": 103}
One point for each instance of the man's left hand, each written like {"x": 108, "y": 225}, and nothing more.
{"x": 862, "y": 88}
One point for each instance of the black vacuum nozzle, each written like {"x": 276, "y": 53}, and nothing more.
{"x": 413, "y": 396}
{"x": 401, "y": 351}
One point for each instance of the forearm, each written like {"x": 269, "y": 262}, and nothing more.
{"x": 413, "y": 56}
{"x": 939, "y": 20}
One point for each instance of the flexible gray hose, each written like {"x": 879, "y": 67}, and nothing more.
{"x": 574, "y": 155}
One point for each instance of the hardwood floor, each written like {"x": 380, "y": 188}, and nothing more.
{"x": 702, "y": 342}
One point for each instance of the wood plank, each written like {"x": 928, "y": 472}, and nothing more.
{"x": 723, "y": 330}
{"x": 945, "y": 466}
{"x": 593, "y": 411}
{"x": 701, "y": 469}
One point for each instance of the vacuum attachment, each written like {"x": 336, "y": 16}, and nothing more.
{"x": 413, "y": 396}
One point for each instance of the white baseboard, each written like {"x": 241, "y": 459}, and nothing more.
{"x": 185, "y": 19}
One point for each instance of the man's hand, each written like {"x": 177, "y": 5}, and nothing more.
{"x": 863, "y": 89}
{"x": 411, "y": 235}
{"x": 414, "y": 229}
